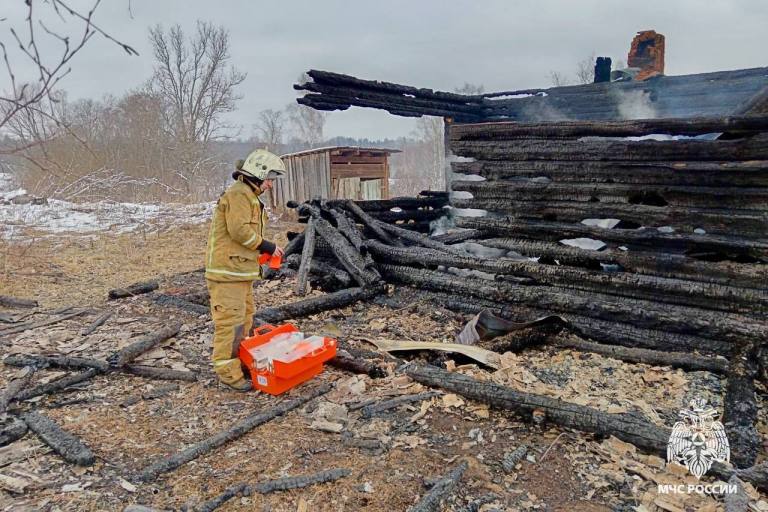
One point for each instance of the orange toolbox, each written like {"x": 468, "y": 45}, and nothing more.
{"x": 280, "y": 358}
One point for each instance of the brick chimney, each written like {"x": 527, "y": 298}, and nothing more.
{"x": 647, "y": 53}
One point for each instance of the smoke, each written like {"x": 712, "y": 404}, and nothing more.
{"x": 634, "y": 104}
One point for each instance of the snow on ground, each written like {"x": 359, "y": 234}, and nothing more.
{"x": 59, "y": 217}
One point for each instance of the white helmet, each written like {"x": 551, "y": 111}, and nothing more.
{"x": 263, "y": 165}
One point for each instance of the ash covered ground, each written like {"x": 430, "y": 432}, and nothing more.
{"x": 130, "y": 422}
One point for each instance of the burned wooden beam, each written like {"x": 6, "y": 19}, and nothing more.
{"x": 307, "y": 253}
{"x": 677, "y": 266}
{"x": 172, "y": 462}
{"x": 314, "y": 305}
{"x": 753, "y": 148}
{"x": 97, "y": 364}
{"x": 384, "y": 205}
{"x": 631, "y": 128}
{"x": 640, "y": 313}
{"x": 151, "y": 372}
{"x": 369, "y": 222}
{"x": 628, "y": 427}
{"x": 419, "y": 239}
{"x": 673, "y": 291}
{"x": 751, "y": 199}
{"x": 753, "y": 173}
{"x": 57, "y": 385}
{"x": 134, "y": 289}
{"x": 65, "y": 444}
{"x": 344, "y": 251}
{"x": 555, "y": 231}
{"x": 747, "y": 223}
{"x": 740, "y": 406}
{"x": 323, "y": 269}
{"x": 684, "y": 360}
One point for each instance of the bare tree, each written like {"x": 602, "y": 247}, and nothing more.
{"x": 585, "y": 69}
{"x": 195, "y": 79}
{"x": 270, "y": 127}
{"x": 308, "y": 123}
{"x": 558, "y": 79}
{"x": 34, "y": 95}
{"x": 429, "y": 130}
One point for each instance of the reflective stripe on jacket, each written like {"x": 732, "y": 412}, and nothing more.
{"x": 237, "y": 230}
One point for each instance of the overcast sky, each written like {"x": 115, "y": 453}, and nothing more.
{"x": 440, "y": 44}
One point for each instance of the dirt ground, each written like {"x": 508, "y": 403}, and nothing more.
{"x": 127, "y": 429}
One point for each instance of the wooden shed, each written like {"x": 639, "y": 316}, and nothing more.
{"x": 338, "y": 172}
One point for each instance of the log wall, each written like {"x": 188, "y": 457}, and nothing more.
{"x": 692, "y": 210}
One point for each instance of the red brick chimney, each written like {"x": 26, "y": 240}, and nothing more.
{"x": 647, "y": 53}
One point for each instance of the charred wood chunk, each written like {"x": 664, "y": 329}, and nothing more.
{"x": 369, "y": 411}
{"x": 98, "y": 322}
{"x": 513, "y": 458}
{"x": 242, "y": 427}
{"x": 358, "y": 365}
{"x": 14, "y": 387}
{"x": 65, "y": 444}
{"x": 11, "y": 430}
{"x": 441, "y": 491}
{"x": 419, "y": 239}
{"x": 134, "y": 289}
{"x": 15, "y": 302}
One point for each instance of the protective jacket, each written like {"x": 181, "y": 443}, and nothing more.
{"x": 236, "y": 238}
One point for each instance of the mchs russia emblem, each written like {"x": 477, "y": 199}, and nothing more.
{"x": 698, "y": 439}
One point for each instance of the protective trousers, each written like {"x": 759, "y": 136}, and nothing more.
{"x": 232, "y": 312}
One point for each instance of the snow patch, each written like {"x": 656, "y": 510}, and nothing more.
{"x": 588, "y": 244}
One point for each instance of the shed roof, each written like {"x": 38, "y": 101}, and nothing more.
{"x": 341, "y": 150}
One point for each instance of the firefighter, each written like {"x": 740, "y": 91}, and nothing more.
{"x": 235, "y": 242}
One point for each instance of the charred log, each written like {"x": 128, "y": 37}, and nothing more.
{"x": 369, "y": 222}
{"x": 314, "y": 305}
{"x": 98, "y": 322}
{"x": 628, "y": 427}
{"x": 41, "y": 323}
{"x": 12, "y": 429}
{"x": 14, "y": 387}
{"x": 65, "y": 444}
{"x": 241, "y": 428}
{"x": 641, "y": 313}
{"x": 280, "y": 484}
{"x": 134, "y": 289}
{"x": 684, "y": 360}
{"x": 369, "y": 411}
{"x": 348, "y": 363}
{"x": 15, "y": 302}
{"x": 147, "y": 342}
{"x": 307, "y": 253}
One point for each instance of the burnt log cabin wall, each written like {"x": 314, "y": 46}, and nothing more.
{"x": 693, "y": 212}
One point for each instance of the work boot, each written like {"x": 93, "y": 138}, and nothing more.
{"x": 243, "y": 385}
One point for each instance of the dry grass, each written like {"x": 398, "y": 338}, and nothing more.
{"x": 79, "y": 270}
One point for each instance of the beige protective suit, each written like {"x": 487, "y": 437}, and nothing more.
{"x": 235, "y": 242}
